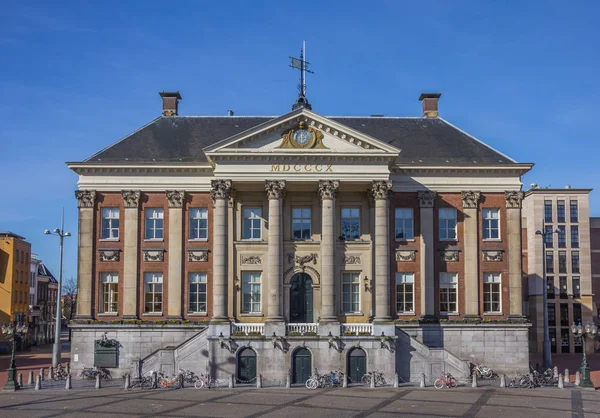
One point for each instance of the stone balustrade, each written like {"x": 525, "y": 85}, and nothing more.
{"x": 357, "y": 329}
{"x": 248, "y": 329}
{"x": 302, "y": 328}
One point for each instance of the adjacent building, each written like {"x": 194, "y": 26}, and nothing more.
{"x": 14, "y": 278}
{"x": 47, "y": 291}
{"x": 595, "y": 255}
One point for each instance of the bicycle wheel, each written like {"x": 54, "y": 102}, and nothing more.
{"x": 438, "y": 384}
{"x": 487, "y": 373}
{"x": 199, "y": 384}
{"x": 452, "y": 382}
{"x": 366, "y": 379}
{"x": 380, "y": 382}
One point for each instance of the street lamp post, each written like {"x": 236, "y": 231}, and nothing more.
{"x": 547, "y": 360}
{"x": 588, "y": 332}
{"x": 61, "y": 234}
{"x": 15, "y": 331}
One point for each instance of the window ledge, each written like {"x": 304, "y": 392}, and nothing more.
{"x": 406, "y": 240}
{"x": 492, "y": 240}
{"x": 442, "y": 314}
{"x": 352, "y": 314}
{"x": 152, "y": 314}
{"x": 109, "y": 240}
{"x": 405, "y": 313}
{"x": 449, "y": 240}
{"x": 248, "y": 314}
{"x": 108, "y": 314}
{"x": 198, "y": 240}
{"x": 153, "y": 239}
{"x": 197, "y": 314}
{"x": 492, "y": 313}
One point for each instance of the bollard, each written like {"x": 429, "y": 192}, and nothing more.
{"x": 20, "y": 380}
{"x": 42, "y": 373}
{"x": 567, "y": 376}
{"x": 30, "y": 379}
{"x": 68, "y": 367}
{"x": 231, "y": 382}
{"x": 38, "y": 382}
{"x": 561, "y": 383}
{"x": 372, "y": 381}
{"x": 577, "y": 377}
{"x": 181, "y": 379}
{"x": 127, "y": 381}
{"x": 422, "y": 380}
{"x": 68, "y": 385}
{"x": 474, "y": 384}
{"x": 288, "y": 381}
{"x": 259, "y": 381}
{"x": 345, "y": 382}
{"x": 154, "y": 380}
{"x": 50, "y": 372}
{"x": 98, "y": 381}
{"x": 555, "y": 372}
{"x": 503, "y": 380}
{"x": 396, "y": 380}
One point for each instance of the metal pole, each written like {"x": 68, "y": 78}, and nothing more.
{"x": 547, "y": 361}
{"x": 56, "y": 348}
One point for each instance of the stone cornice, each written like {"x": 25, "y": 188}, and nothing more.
{"x": 514, "y": 169}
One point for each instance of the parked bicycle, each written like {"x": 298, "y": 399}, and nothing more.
{"x": 377, "y": 375}
{"x": 60, "y": 372}
{"x": 483, "y": 371}
{"x": 189, "y": 376}
{"x": 446, "y": 380}
{"x": 328, "y": 380}
{"x": 142, "y": 382}
{"x": 165, "y": 381}
{"x": 206, "y": 381}
{"x": 92, "y": 372}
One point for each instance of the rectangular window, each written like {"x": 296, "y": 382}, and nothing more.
{"x": 562, "y": 261}
{"x": 404, "y": 224}
{"x": 491, "y": 223}
{"x": 405, "y": 292}
{"x": 26, "y": 257}
{"x": 564, "y": 315}
{"x": 350, "y": 292}
{"x": 251, "y": 288}
{"x": 549, "y": 237}
{"x": 109, "y": 292}
{"x": 110, "y": 223}
{"x": 576, "y": 287}
{"x": 301, "y": 227}
{"x": 549, "y": 262}
{"x": 198, "y": 223}
{"x": 574, "y": 236}
{"x": 153, "y": 292}
{"x": 447, "y": 217}
{"x": 154, "y": 223}
{"x": 562, "y": 283}
{"x": 574, "y": 262}
{"x": 548, "y": 211}
{"x": 197, "y": 293}
{"x": 574, "y": 212}
{"x": 252, "y": 223}
{"x": 551, "y": 314}
{"x": 562, "y": 237}
{"x": 560, "y": 211}
{"x": 491, "y": 293}
{"x": 448, "y": 293}
{"x": 550, "y": 287}
{"x": 577, "y": 313}
{"x": 350, "y": 224}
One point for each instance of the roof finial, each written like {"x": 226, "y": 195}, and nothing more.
{"x": 301, "y": 64}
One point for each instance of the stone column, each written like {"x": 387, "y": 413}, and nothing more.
{"x": 85, "y": 253}
{"x": 513, "y": 225}
{"x": 131, "y": 201}
{"x": 175, "y": 279}
{"x": 381, "y": 190}
{"x": 220, "y": 192}
{"x": 471, "y": 250}
{"x": 327, "y": 191}
{"x": 427, "y": 252}
{"x": 275, "y": 191}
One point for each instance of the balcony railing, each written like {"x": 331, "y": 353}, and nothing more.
{"x": 249, "y": 329}
{"x": 302, "y": 329}
{"x": 357, "y": 329}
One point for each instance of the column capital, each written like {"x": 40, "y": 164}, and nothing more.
{"x": 85, "y": 198}
{"x": 275, "y": 189}
{"x": 381, "y": 189}
{"x": 470, "y": 199}
{"x": 513, "y": 199}
{"x": 175, "y": 198}
{"x": 426, "y": 198}
{"x": 328, "y": 188}
{"x": 220, "y": 189}
{"x": 131, "y": 198}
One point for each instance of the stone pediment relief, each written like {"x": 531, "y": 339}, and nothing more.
{"x": 406, "y": 254}
{"x": 109, "y": 254}
{"x": 154, "y": 254}
{"x": 197, "y": 254}
{"x": 496, "y": 254}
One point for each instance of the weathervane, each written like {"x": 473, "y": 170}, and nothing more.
{"x": 301, "y": 64}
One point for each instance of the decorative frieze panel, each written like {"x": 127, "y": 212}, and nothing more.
{"x": 406, "y": 254}
{"x": 197, "y": 254}
{"x": 352, "y": 259}
{"x": 302, "y": 260}
{"x": 493, "y": 255}
{"x": 154, "y": 254}
{"x": 449, "y": 255}
{"x": 109, "y": 254}
{"x": 250, "y": 259}
{"x": 85, "y": 198}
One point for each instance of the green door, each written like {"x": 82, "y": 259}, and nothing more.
{"x": 357, "y": 365}
{"x": 302, "y": 364}
{"x": 301, "y": 299}
{"x": 246, "y": 366}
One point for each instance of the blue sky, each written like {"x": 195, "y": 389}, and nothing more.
{"x": 77, "y": 76}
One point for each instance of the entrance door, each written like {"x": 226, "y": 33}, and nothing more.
{"x": 301, "y": 299}
{"x": 357, "y": 365}
{"x": 302, "y": 365}
{"x": 246, "y": 366}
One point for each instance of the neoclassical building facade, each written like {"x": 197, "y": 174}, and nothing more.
{"x": 274, "y": 245}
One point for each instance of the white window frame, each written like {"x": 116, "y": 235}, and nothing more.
{"x": 109, "y": 292}
{"x": 153, "y": 215}
{"x": 350, "y": 287}
{"x": 111, "y": 215}
{"x": 152, "y": 280}
{"x": 402, "y": 281}
{"x": 197, "y": 215}
{"x": 448, "y": 282}
{"x": 401, "y": 218}
{"x": 487, "y": 216}
{"x": 490, "y": 280}
{"x": 443, "y": 218}
{"x": 303, "y": 220}
{"x": 251, "y": 298}
{"x": 253, "y": 215}
{"x": 351, "y": 218}
{"x": 197, "y": 279}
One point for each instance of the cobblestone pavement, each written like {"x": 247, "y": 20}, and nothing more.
{"x": 301, "y": 402}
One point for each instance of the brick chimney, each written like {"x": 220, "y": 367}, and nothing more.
{"x": 430, "y": 104}
{"x": 170, "y": 102}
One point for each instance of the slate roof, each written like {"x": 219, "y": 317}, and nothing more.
{"x": 181, "y": 139}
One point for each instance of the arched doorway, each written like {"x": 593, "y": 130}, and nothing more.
{"x": 301, "y": 363}
{"x": 301, "y": 299}
{"x": 246, "y": 366}
{"x": 357, "y": 364}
